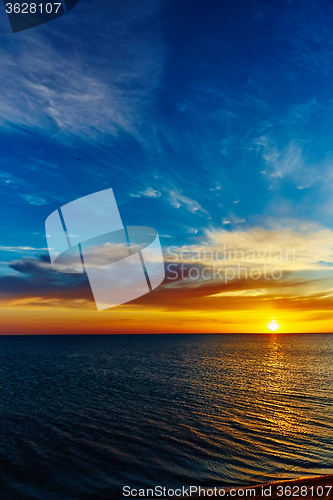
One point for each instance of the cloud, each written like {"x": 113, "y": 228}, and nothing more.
{"x": 21, "y": 249}
{"x": 34, "y": 199}
{"x": 310, "y": 38}
{"x": 305, "y": 281}
{"x": 301, "y": 113}
{"x": 177, "y": 200}
{"x": 303, "y": 268}
{"x": 282, "y": 162}
{"x": 149, "y": 192}
{"x": 232, "y": 219}
{"x": 310, "y": 246}
{"x": 37, "y": 283}
{"x": 103, "y": 89}
{"x": 290, "y": 162}
{"x": 13, "y": 181}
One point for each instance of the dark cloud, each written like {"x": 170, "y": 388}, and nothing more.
{"x": 36, "y": 278}
{"x": 286, "y": 293}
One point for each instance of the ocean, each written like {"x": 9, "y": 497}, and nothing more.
{"x": 83, "y": 416}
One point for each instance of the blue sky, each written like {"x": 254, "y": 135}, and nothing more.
{"x": 202, "y": 117}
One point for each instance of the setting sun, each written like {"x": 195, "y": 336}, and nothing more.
{"x": 273, "y": 326}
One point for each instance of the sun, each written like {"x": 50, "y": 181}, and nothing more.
{"x": 273, "y": 326}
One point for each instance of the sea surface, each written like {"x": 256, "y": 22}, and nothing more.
{"x": 82, "y": 416}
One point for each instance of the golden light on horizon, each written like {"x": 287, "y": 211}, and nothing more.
{"x": 273, "y": 326}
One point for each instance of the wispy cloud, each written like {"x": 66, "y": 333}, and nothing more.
{"x": 14, "y": 183}
{"x": 216, "y": 188}
{"x": 232, "y": 219}
{"x": 9, "y": 180}
{"x": 34, "y": 199}
{"x": 301, "y": 113}
{"x": 21, "y": 249}
{"x": 280, "y": 163}
{"x": 177, "y": 199}
{"x": 76, "y": 92}
{"x": 38, "y": 282}
{"x": 149, "y": 193}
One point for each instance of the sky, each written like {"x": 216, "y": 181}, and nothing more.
{"x": 213, "y": 124}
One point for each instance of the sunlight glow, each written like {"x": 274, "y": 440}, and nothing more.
{"x": 273, "y": 326}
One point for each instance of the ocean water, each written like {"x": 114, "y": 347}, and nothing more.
{"x": 82, "y": 416}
